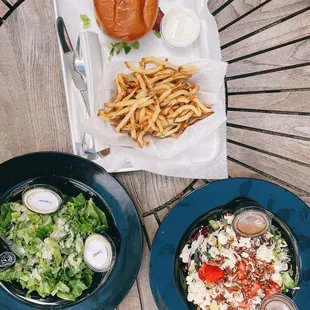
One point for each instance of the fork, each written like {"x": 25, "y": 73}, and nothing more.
{"x": 80, "y": 68}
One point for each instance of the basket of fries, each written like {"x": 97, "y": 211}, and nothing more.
{"x": 153, "y": 101}
{"x": 160, "y": 101}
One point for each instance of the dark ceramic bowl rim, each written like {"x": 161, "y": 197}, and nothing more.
{"x": 113, "y": 195}
{"x": 271, "y": 196}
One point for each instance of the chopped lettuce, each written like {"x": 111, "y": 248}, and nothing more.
{"x": 275, "y": 232}
{"x": 51, "y": 246}
{"x": 207, "y": 255}
{"x": 5, "y": 217}
{"x": 288, "y": 282}
{"x": 214, "y": 224}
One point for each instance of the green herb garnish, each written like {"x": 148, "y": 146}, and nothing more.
{"x": 207, "y": 254}
{"x": 116, "y": 48}
{"x": 157, "y": 34}
{"x": 196, "y": 257}
{"x": 86, "y": 21}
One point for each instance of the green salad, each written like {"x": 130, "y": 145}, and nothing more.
{"x": 51, "y": 247}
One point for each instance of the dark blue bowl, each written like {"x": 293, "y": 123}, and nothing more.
{"x": 288, "y": 212}
{"x": 73, "y": 175}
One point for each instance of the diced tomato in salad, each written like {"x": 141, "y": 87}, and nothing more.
{"x": 274, "y": 288}
{"x": 241, "y": 271}
{"x": 254, "y": 289}
{"x": 210, "y": 273}
{"x": 250, "y": 292}
{"x": 245, "y": 304}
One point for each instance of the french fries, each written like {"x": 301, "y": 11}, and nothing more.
{"x": 156, "y": 101}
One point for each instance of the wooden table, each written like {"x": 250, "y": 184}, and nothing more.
{"x": 267, "y": 46}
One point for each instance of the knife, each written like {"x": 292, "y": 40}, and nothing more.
{"x": 78, "y": 79}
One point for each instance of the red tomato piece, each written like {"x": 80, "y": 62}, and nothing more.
{"x": 210, "y": 273}
{"x": 273, "y": 288}
{"x": 254, "y": 289}
{"x": 241, "y": 270}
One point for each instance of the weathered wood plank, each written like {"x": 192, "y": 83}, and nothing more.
{"x": 284, "y": 101}
{"x": 34, "y": 103}
{"x": 199, "y": 184}
{"x": 146, "y": 295}
{"x": 286, "y": 56}
{"x": 291, "y": 78}
{"x": 287, "y": 31}
{"x": 236, "y": 170}
{"x": 18, "y": 136}
{"x": 294, "y": 149}
{"x": 151, "y": 226}
{"x": 269, "y": 13}
{"x": 215, "y": 4}
{"x": 162, "y": 213}
{"x": 132, "y": 300}
{"x": 3, "y": 9}
{"x": 149, "y": 190}
{"x": 236, "y": 9}
{"x": 288, "y": 124}
{"x": 297, "y": 175}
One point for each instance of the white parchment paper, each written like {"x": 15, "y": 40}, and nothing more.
{"x": 201, "y": 151}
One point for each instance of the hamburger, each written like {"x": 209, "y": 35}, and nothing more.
{"x": 126, "y": 20}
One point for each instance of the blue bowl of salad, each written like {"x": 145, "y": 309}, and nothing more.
{"x": 199, "y": 262}
{"x": 239, "y": 271}
{"x": 51, "y": 270}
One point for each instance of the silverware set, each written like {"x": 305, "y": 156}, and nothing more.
{"x": 75, "y": 63}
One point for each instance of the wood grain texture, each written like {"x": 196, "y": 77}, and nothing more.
{"x": 146, "y": 296}
{"x": 149, "y": 190}
{"x": 284, "y": 32}
{"x": 285, "y": 101}
{"x": 132, "y": 300}
{"x": 3, "y": 9}
{"x": 236, "y": 9}
{"x": 269, "y": 13}
{"x": 293, "y": 54}
{"x": 162, "y": 214}
{"x": 215, "y": 4}
{"x": 199, "y": 184}
{"x": 151, "y": 226}
{"x": 14, "y": 139}
{"x": 289, "y": 124}
{"x": 235, "y": 170}
{"x": 292, "y": 78}
{"x": 31, "y": 88}
{"x": 292, "y": 149}
{"x": 297, "y": 175}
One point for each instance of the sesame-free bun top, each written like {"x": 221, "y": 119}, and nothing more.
{"x": 126, "y": 20}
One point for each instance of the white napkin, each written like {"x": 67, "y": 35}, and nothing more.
{"x": 91, "y": 51}
{"x": 202, "y": 153}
